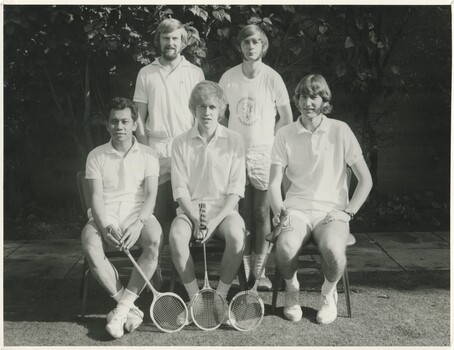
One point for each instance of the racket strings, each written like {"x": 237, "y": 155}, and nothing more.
{"x": 208, "y": 310}
{"x": 169, "y": 313}
{"x": 246, "y": 311}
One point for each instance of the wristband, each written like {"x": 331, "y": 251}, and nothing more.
{"x": 349, "y": 213}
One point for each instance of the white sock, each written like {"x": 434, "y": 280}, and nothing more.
{"x": 247, "y": 262}
{"x": 223, "y": 289}
{"x": 328, "y": 287}
{"x": 117, "y": 296}
{"x": 192, "y": 288}
{"x": 127, "y": 300}
{"x": 292, "y": 284}
{"x": 259, "y": 259}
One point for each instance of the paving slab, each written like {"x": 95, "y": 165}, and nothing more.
{"x": 47, "y": 259}
{"x": 408, "y": 240}
{"x": 422, "y": 259}
{"x": 444, "y": 235}
{"x": 10, "y": 247}
{"x": 371, "y": 259}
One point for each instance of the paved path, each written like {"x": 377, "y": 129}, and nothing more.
{"x": 387, "y": 251}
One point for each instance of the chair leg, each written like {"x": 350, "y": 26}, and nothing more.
{"x": 86, "y": 280}
{"x": 347, "y": 292}
{"x": 276, "y": 286}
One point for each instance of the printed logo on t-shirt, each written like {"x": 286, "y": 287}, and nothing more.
{"x": 246, "y": 110}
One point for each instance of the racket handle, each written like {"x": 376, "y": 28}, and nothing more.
{"x": 272, "y": 237}
{"x": 147, "y": 281}
{"x": 203, "y": 221}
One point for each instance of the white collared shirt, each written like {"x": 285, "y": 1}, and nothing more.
{"x": 316, "y": 163}
{"x": 122, "y": 177}
{"x": 167, "y": 95}
{"x": 210, "y": 171}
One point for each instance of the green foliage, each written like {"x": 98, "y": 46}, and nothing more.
{"x": 63, "y": 64}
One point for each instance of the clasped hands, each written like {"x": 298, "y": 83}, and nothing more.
{"x": 123, "y": 240}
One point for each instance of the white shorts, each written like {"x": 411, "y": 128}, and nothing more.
{"x": 310, "y": 217}
{"x": 213, "y": 207}
{"x": 163, "y": 149}
{"x": 120, "y": 214}
{"x": 258, "y": 166}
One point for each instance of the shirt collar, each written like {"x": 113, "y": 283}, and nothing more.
{"x": 219, "y": 132}
{"x": 134, "y": 148}
{"x": 323, "y": 127}
{"x": 183, "y": 62}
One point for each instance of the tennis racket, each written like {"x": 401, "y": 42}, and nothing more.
{"x": 246, "y": 310}
{"x": 208, "y": 308}
{"x": 168, "y": 311}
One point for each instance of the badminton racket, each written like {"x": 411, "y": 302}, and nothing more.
{"x": 246, "y": 310}
{"x": 168, "y": 311}
{"x": 208, "y": 308}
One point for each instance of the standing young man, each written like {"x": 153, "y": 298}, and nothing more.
{"x": 256, "y": 94}
{"x": 123, "y": 178}
{"x": 161, "y": 95}
{"x": 315, "y": 152}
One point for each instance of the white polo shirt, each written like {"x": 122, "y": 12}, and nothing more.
{"x": 167, "y": 95}
{"x": 122, "y": 177}
{"x": 253, "y": 105}
{"x": 316, "y": 163}
{"x": 208, "y": 172}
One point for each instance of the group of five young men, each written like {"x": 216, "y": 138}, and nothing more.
{"x": 182, "y": 153}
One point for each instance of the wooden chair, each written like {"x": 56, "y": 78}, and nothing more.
{"x": 311, "y": 249}
{"x": 84, "y": 196}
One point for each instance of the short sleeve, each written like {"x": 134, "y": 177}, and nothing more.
{"x": 140, "y": 92}
{"x": 352, "y": 149}
{"x": 237, "y": 180}
{"x": 92, "y": 167}
{"x": 152, "y": 164}
{"x": 282, "y": 97}
{"x": 178, "y": 173}
{"x": 279, "y": 154}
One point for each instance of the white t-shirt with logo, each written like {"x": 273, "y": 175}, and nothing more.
{"x": 253, "y": 104}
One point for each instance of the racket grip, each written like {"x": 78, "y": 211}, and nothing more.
{"x": 272, "y": 237}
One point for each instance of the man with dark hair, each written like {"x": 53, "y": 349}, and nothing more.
{"x": 123, "y": 179}
{"x": 161, "y": 95}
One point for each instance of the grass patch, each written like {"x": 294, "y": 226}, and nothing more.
{"x": 389, "y": 309}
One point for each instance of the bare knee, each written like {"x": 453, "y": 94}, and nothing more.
{"x": 151, "y": 237}
{"x": 92, "y": 242}
{"x": 261, "y": 212}
{"x": 235, "y": 239}
{"x": 179, "y": 236}
{"x": 287, "y": 247}
{"x": 333, "y": 255}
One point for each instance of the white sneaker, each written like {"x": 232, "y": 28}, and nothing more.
{"x": 292, "y": 308}
{"x": 328, "y": 308}
{"x": 116, "y": 320}
{"x": 181, "y": 317}
{"x": 134, "y": 319}
{"x": 264, "y": 284}
{"x": 222, "y": 311}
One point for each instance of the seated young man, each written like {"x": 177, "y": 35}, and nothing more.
{"x": 207, "y": 166}
{"x": 123, "y": 179}
{"x": 315, "y": 151}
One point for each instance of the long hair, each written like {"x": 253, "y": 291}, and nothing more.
{"x": 170, "y": 25}
{"x": 314, "y": 84}
{"x": 250, "y": 30}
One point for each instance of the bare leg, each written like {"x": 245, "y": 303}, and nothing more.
{"x": 101, "y": 268}
{"x": 150, "y": 241}
{"x": 232, "y": 231}
{"x": 180, "y": 236}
